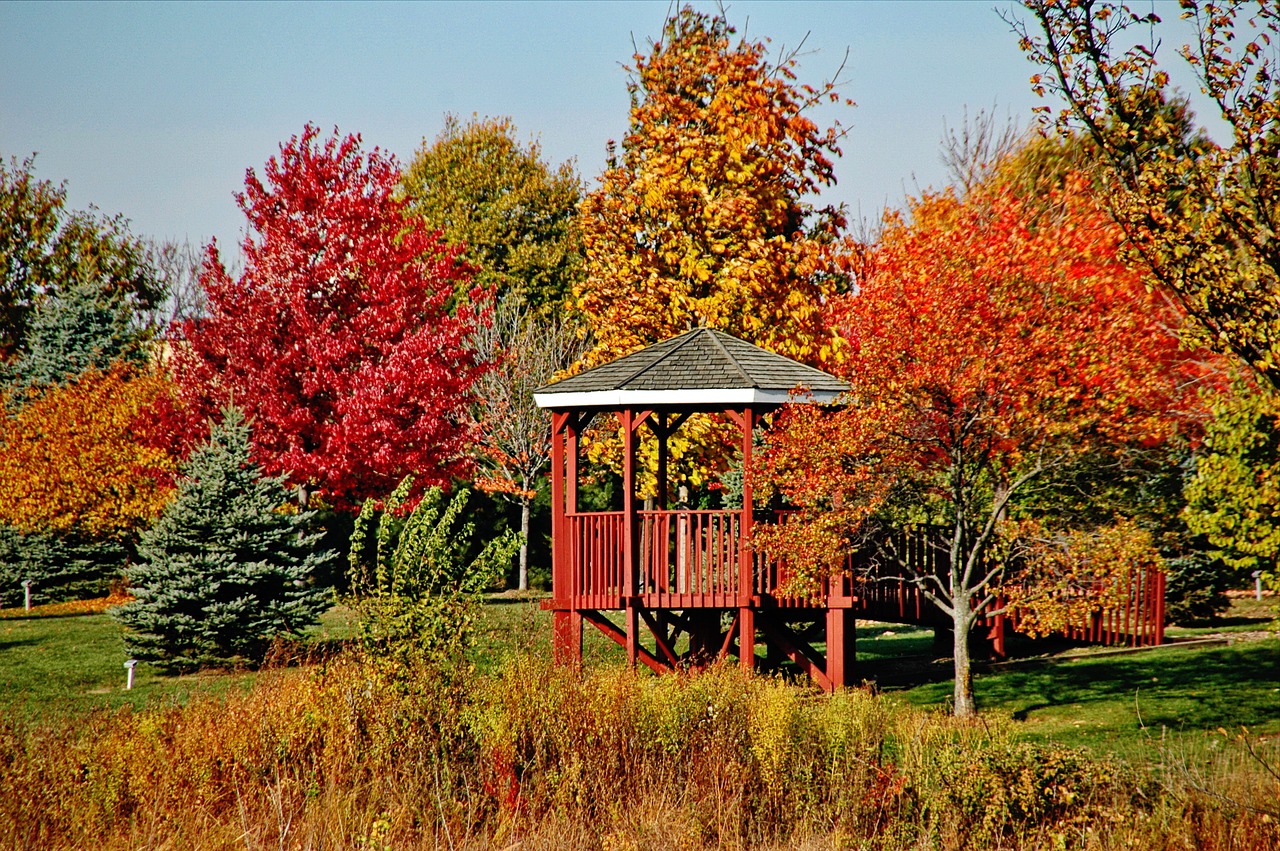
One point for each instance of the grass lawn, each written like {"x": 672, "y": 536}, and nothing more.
{"x": 57, "y": 662}
{"x": 1099, "y": 698}
{"x": 1107, "y": 702}
{"x": 52, "y": 662}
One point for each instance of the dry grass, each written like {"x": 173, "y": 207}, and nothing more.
{"x": 343, "y": 756}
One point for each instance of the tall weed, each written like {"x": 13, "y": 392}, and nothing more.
{"x": 342, "y": 755}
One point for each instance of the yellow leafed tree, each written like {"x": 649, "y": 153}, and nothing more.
{"x": 706, "y": 219}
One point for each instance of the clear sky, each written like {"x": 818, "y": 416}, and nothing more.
{"x": 155, "y": 110}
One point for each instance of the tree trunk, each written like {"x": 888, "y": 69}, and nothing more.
{"x": 963, "y": 622}
{"x": 525, "y": 508}
{"x": 304, "y": 497}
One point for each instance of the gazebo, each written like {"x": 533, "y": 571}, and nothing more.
{"x": 678, "y": 572}
{"x": 681, "y": 571}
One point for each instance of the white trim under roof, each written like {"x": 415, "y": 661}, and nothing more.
{"x": 646, "y": 398}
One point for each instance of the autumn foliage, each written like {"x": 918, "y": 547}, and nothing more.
{"x": 703, "y": 219}
{"x": 79, "y": 457}
{"x": 983, "y": 341}
{"x": 986, "y": 349}
{"x": 336, "y": 339}
{"x": 1200, "y": 216}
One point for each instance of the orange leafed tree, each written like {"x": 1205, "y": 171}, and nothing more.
{"x": 989, "y": 346}
{"x": 705, "y": 220}
{"x": 79, "y": 458}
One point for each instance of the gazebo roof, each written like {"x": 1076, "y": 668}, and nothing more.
{"x": 700, "y": 369}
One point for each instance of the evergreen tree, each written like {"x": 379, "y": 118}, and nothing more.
{"x": 223, "y": 572}
{"x": 59, "y": 566}
{"x": 86, "y": 326}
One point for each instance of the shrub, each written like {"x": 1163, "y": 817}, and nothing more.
{"x": 416, "y": 593}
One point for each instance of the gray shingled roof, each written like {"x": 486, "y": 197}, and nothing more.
{"x": 702, "y": 359}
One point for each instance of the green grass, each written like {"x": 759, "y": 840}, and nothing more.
{"x": 514, "y": 621}
{"x": 1109, "y": 702}
{"x": 74, "y": 663}
{"x": 1117, "y": 702}
{"x": 65, "y": 664}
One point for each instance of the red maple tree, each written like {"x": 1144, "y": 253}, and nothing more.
{"x": 337, "y": 339}
{"x": 991, "y": 344}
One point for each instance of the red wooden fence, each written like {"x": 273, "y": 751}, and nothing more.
{"x": 690, "y": 560}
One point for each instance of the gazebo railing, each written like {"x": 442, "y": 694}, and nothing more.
{"x": 690, "y": 557}
{"x": 596, "y": 558}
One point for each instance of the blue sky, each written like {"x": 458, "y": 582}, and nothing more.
{"x": 155, "y": 110}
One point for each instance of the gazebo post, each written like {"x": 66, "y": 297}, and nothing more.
{"x": 746, "y": 583}
{"x": 630, "y": 536}
{"x": 660, "y": 429}
{"x": 567, "y": 624}
{"x": 841, "y": 648}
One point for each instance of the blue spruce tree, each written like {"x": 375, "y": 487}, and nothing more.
{"x": 223, "y": 572}
{"x": 85, "y": 326}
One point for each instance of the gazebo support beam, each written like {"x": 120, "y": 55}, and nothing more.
{"x": 566, "y": 625}
{"x": 746, "y": 420}
{"x": 631, "y": 529}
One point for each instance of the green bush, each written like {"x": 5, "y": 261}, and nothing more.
{"x": 415, "y": 590}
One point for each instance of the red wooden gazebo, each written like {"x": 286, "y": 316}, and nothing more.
{"x": 680, "y": 571}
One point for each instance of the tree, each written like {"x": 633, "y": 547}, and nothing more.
{"x": 225, "y": 570}
{"x": 80, "y": 328}
{"x": 336, "y": 339}
{"x": 705, "y": 220}
{"x": 986, "y": 350}
{"x": 178, "y": 268}
{"x": 514, "y": 213}
{"x": 1145, "y": 483}
{"x": 46, "y": 250}
{"x": 1234, "y": 496}
{"x": 58, "y": 566}
{"x": 80, "y": 459}
{"x": 1202, "y": 217}
{"x": 513, "y": 442}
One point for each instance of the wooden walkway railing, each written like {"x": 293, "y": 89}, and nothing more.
{"x": 690, "y": 559}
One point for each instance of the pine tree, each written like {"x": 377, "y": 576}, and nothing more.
{"x": 60, "y": 566}
{"x": 223, "y": 572}
{"x": 84, "y": 327}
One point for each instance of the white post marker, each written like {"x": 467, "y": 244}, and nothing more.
{"x": 128, "y": 667}
{"x": 26, "y": 595}
{"x": 1257, "y": 584}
